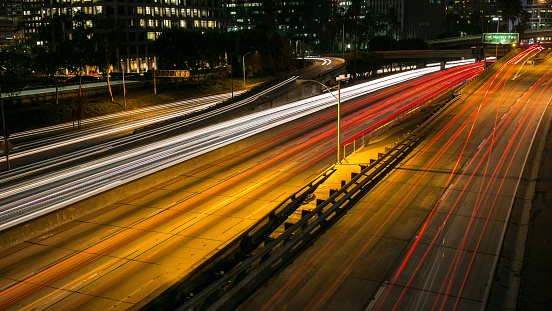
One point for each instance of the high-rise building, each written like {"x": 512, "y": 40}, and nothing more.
{"x": 480, "y": 15}
{"x": 416, "y": 18}
{"x": 10, "y": 16}
{"x": 145, "y": 20}
{"x": 540, "y": 14}
{"x": 292, "y": 19}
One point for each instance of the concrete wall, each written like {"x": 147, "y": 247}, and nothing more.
{"x": 39, "y": 226}
{"x": 63, "y": 94}
{"x": 303, "y": 90}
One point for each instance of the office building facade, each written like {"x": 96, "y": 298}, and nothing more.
{"x": 292, "y": 19}
{"x": 540, "y": 14}
{"x": 416, "y": 18}
{"x": 481, "y": 15}
{"x": 144, "y": 20}
{"x": 10, "y": 16}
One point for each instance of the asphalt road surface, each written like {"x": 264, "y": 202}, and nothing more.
{"x": 123, "y": 255}
{"x": 429, "y": 236}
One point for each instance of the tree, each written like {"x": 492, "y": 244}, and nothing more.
{"x": 361, "y": 63}
{"x": 512, "y": 11}
{"x": 393, "y": 22}
{"x": 16, "y": 62}
{"x": 79, "y": 48}
{"x": 382, "y": 43}
{"x": 51, "y": 58}
{"x": 191, "y": 50}
{"x": 106, "y": 40}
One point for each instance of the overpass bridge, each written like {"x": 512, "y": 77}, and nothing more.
{"x": 423, "y": 56}
{"x": 467, "y": 41}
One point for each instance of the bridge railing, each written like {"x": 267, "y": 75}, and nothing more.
{"x": 453, "y": 39}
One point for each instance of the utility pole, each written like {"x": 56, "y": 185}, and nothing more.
{"x": 5, "y": 133}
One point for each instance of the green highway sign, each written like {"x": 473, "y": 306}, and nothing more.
{"x": 500, "y": 38}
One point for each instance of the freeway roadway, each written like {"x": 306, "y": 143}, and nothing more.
{"x": 428, "y": 237}
{"x": 155, "y": 122}
{"x": 123, "y": 255}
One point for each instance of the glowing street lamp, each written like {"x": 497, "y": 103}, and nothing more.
{"x": 497, "y": 26}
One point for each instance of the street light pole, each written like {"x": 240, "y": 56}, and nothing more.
{"x": 243, "y": 62}
{"x": 338, "y": 112}
{"x": 343, "y": 42}
{"x": 338, "y": 120}
{"x": 232, "y": 72}
{"x": 497, "y": 27}
{"x": 4, "y": 131}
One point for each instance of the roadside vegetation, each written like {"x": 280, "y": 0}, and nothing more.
{"x": 26, "y": 116}
{"x": 93, "y": 46}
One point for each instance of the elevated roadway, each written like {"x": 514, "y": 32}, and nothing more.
{"x": 429, "y": 236}
{"x": 125, "y": 254}
{"x": 36, "y": 146}
{"x": 471, "y": 40}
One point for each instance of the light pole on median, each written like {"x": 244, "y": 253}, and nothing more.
{"x": 243, "y": 62}
{"x": 497, "y": 26}
{"x": 338, "y": 111}
{"x": 4, "y": 132}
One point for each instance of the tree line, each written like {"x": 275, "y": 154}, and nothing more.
{"x": 93, "y": 41}
{"x": 514, "y": 18}
{"x": 195, "y": 51}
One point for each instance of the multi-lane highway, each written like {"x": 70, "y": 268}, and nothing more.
{"x": 124, "y": 254}
{"x": 34, "y": 146}
{"x": 41, "y": 188}
{"x": 428, "y": 237}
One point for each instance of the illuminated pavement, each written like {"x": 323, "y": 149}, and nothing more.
{"x": 429, "y": 235}
{"x": 125, "y": 254}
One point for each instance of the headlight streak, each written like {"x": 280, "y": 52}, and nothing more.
{"x": 65, "y": 187}
{"x": 486, "y": 96}
{"x": 80, "y": 259}
{"x": 296, "y": 278}
{"x": 288, "y": 288}
{"x": 33, "y": 168}
{"x": 80, "y": 137}
{"x": 124, "y": 114}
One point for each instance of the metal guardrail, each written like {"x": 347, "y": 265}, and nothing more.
{"x": 232, "y": 287}
{"x": 452, "y": 39}
{"x": 238, "y": 250}
{"x": 62, "y": 85}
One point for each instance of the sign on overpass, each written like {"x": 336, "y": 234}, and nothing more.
{"x": 168, "y": 74}
{"x": 500, "y": 38}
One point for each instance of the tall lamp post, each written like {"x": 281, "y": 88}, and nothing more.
{"x": 497, "y": 26}
{"x": 338, "y": 112}
{"x": 4, "y": 132}
{"x": 243, "y": 62}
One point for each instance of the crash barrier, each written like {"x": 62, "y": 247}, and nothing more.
{"x": 234, "y": 286}
{"x": 228, "y": 277}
